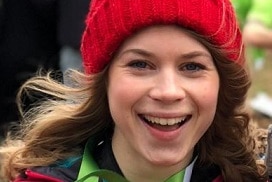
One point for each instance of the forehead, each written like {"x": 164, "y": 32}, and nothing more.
{"x": 160, "y": 37}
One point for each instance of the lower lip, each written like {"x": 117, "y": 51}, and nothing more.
{"x": 164, "y": 135}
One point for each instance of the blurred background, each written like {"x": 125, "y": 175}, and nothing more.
{"x": 255, "y": 20}
{"x": 35, "y": 35}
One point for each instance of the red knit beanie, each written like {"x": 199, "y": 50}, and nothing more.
{"x": 110, "y": 22}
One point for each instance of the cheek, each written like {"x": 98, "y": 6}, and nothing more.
{"x": 121, "y": 92}
{"x": 122, "y": 96}
{"x": 207, "y": 98}
{"x": 207, "y": 105}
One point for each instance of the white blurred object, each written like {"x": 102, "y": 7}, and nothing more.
{"x": 263, "y": 104}
{"x": 259, "y": 64}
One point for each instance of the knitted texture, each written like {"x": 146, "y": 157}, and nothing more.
{"x": 110, "y": 22}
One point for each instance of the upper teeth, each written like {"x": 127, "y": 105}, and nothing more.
{"x": 165, "y": 121}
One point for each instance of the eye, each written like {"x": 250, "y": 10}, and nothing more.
{"x": 193, "y": 67}
{"x": 138, "y": 64}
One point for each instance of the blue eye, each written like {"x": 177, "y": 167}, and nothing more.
{"x": 193, "y": 67}
{"x": 139, "y": 64}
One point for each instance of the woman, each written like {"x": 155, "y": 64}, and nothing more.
{"x": 161, "y": 99}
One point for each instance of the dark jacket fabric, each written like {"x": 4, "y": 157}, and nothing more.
{"x": 67, "y": 171}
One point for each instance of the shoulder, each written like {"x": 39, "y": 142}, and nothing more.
{"x": 66, "y": 170}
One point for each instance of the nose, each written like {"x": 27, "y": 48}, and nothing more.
{"x": 168, "y": 88}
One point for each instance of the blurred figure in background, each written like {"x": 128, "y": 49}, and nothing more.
{"x": 257, "y": 34}
{"x": 257, "y": 30}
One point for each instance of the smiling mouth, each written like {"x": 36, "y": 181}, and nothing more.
{"x": 165, "y": 124}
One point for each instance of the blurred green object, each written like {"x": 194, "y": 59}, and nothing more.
{"x": 242, "y": 8}
{"x": 260, "y": 11}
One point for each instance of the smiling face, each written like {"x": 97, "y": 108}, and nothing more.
{"x": 162, "y": 92}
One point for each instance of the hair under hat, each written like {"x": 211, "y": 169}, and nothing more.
{"x": 110, "y": 22}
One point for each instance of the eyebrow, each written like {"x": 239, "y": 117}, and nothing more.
{"x": 146, "y": 53}
{"x": 137, "y": 51}
{"x": 194, "y": 54}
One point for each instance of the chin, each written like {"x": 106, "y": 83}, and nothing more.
{"x": 160, "y": 161}
{"x": 170, "y": 158}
